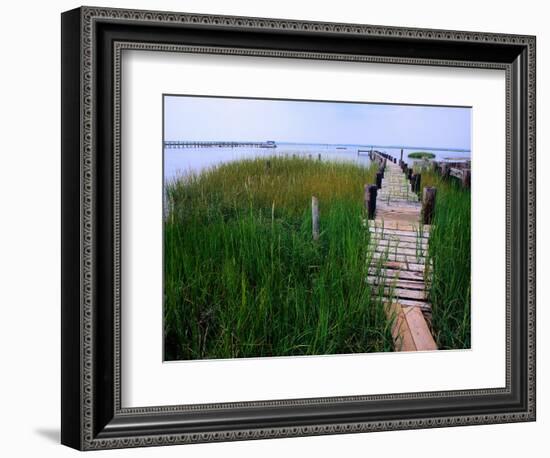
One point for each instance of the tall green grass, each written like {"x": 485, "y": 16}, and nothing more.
{"x": 243, "y": 277}
{"x": 449, "y": 250}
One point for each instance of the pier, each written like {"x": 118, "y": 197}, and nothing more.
{"x": 399, "y": 244}
{"x": 219, "y": 144}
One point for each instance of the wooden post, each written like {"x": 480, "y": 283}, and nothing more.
{"x": 379, "y": 176}
{"x": 315, "y": 217}
{"x": 385, "y": 162}
{"x": 466, "y": 178}
{"x": 445, "y": 170}
{"x": 167, "y": 207}
{"x": 319, "y": 157}
{"x": 409, "y": 175}
{"x": 428, "y": 205}
{"x": 417, "y": 183}
{"x": 401, "y": 154}
{"x": 370, "y": 200}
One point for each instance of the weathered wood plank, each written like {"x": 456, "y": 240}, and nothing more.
{"x": 400, "y": 250}
{"x": 424, "y": 305}
{"x": 421, "y": 334}
{"x": 401, "y": 333}
{"x": 395, "y": 232}
{"x": 398, "y": 225}
{"x": 404, "y": 258}
{"x": 457, "y": 173}
{"x": 397, "y": 282}
{"x": 397, "y": 294}
{"x": 397, "y": 273}
{"x": 393, "y": 240}
{"x": 395, "y": 243}
{"x": 410, "y": 266}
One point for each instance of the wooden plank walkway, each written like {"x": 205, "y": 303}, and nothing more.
{"x": 398, "y": 269}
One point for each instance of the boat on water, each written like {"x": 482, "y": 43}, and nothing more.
{"x": 269, "y": 144}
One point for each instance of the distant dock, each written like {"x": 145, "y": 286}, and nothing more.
{"x": 218, "y": 144}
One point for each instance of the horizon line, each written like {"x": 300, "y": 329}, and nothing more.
{"x": 365, "y": 145}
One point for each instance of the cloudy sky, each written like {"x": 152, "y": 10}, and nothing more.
{"x": 208, "y": 119}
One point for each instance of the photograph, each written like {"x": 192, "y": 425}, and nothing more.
{"x": 314, "y": 227}
{"x": 284, "y": 224}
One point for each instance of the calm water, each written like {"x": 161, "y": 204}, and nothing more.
{"x": 178, "y": 162}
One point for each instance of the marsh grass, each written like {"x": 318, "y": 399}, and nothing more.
{"x": 449, "y": 250}
{"x": 243, "y": 277}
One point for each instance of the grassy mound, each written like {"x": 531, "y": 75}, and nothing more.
{"x": 421, "y": 155}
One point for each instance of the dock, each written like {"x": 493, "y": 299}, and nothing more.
{"x": 399, "y": 244}
{"x": 178, "y": 144}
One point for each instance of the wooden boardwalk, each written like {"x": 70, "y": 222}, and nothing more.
{"x": 398, "y": 269}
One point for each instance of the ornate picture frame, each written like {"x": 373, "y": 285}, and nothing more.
{"x": 93, "y": 416}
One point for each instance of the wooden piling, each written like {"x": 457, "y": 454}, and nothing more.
{"x": 445, "y": 170}
{"x": 428, "y": 205}
{"x": 401, "y": 154}
{"x": 379, "y": 176}
{"x": 417, "y": 183}
{"x": 409, "y": 175}
{"x": 371, "y": 191}
{"x": 319, "y": 156}
{"x": 315, "y": 217}
{"x": 466, "y": 178}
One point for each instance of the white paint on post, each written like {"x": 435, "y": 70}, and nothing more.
{"x": 315, "y": 217}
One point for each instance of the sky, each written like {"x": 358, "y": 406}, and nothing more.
{"x": 190, "y": 118}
